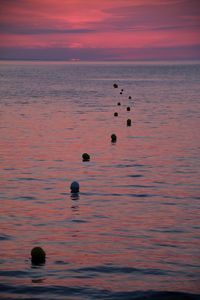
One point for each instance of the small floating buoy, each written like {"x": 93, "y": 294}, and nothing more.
{"x": 74, "y": 187}
{"x": 129, "y": 122}
{"x": 129, "y": 97}
{"x": 128, "y": 108}
{"x": 38, "y": 256}
{"x": 113, "y": 138}
{"x": 115, "y": 114}
{"x": 120, "y": 93}
{"x": 118, "y": 103}
{"x": 115, "y": 85}
{"x": 85, "y": 157}
{"x": 122, "y": 90}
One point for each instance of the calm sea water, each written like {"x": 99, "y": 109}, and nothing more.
{"x": 133, "y": 230}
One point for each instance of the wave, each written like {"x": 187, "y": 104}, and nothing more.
{"x": 61, "y": 292}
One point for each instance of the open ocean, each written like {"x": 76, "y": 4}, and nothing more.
{"x": 133, "y": 231}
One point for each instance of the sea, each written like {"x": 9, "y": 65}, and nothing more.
{"x": 133, "y": 230}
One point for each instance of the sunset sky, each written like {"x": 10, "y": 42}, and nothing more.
{"x": 100, "y": 29}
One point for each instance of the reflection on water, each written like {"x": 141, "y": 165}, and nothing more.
{"x": 75, "y": 196}
{"x": 75, "y": 203}
{"x": 37, "y": 274}
{"x": 134, "y": 226}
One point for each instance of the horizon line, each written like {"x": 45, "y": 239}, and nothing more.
{"x": 100, "y": 60}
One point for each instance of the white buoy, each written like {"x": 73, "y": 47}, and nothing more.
{"x": 74, "y": 187}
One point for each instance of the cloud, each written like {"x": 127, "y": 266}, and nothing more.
{"x": 105, "y": 24}
{"x": 7, "y": 29}
{"x": 158, "y": 53}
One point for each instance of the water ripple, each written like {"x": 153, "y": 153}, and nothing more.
{"x": 136, "y": 175}
{"x": 25, "y": 198}
{"x": 77, "y": 292}
{"x": 5, "y": 237}
{"x": 124, "y": 270}
{"x": 14, "y": 273}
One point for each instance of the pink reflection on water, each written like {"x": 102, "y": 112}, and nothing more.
{"x": 132, "y": 209}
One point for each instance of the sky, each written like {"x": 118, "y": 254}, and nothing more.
{"x": 100, "y": 29}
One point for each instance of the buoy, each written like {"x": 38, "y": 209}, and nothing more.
{"x": 129, "y": 122}
{"x": 118, "y": 103}
{"x": 113, "y": 138}
{"x": 38, "y": 256}
{"x": 115, "y": 114}
{"x": 115, "y": 85}
{"x": 120, "y": 93}
{"x": 74, "y": 187}
{"x": 85, "y": 157}
{"x": 129, "y": 97}
{"x": 122, "y": 90}
{"x": 128, "y": 108}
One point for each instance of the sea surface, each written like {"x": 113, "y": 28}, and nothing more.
{"x": 133, "y": 230}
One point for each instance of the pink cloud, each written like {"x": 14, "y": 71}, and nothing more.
{"x": 99, "y": 24}
{"x": 131, "y": 39}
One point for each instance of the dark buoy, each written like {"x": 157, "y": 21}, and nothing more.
{"x": 122, "y": 90}
{"x": 115, "y": 85}
{"x": 74, "y": 187}
{"x": 115, "y": 114}
{"x": 129, "y": 97}
{"x": 128, "y": 108}
{"x": 38, "y": 256}
{"x": 129, "y": 122}
{"x": 85, "y": 157}
{"x": 113, "y": 138}
{"x": 120, "y": 93}
{"x": 118, "y": 103}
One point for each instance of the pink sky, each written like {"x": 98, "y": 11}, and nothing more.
{"x": 100, "y": 29}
